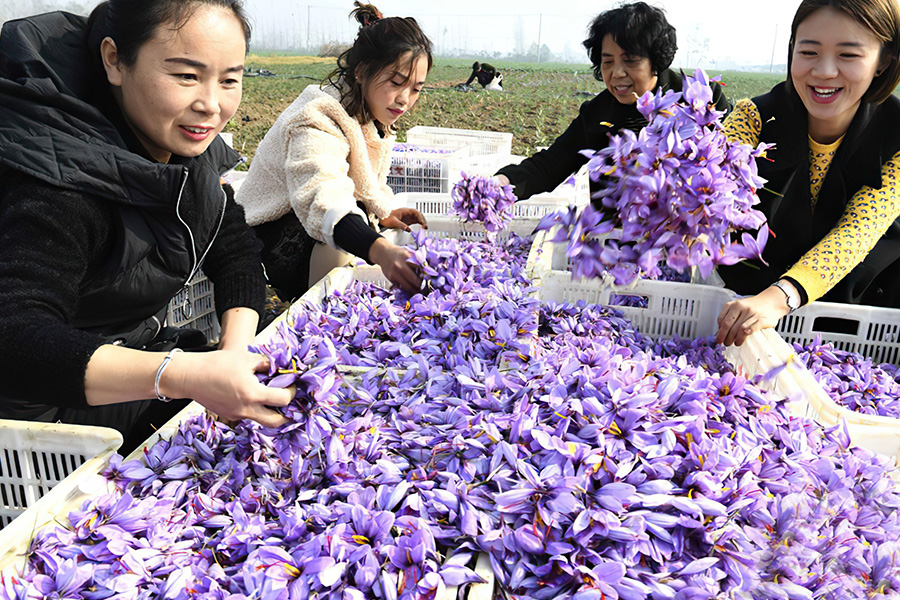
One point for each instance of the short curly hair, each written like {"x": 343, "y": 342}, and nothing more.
{"x": 640, "y": 29}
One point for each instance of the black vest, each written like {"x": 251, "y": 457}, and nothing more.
{"x": 871, "y": 140}
{"x": 59, "y": 124}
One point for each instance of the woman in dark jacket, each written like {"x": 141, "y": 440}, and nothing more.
{"x": 110, "y": 200}
{"x": 631, "y": 48}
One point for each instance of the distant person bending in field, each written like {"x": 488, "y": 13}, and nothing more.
{"x": 319, "y": 177}
{"x": 488, "y": 77}
{"x": 832, "y": 195}
{"x": 631, "y": 48}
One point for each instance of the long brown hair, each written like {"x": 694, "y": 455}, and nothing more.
{"x": 882, "y": 18}
{"x": 380, "y": 43}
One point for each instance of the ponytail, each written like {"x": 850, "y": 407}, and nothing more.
{"x": 380, "y": 43}
{"x": 366, "y": 14}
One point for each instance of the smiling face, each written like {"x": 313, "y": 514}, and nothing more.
{"x": 394, "y": 90}
{"x": 626, "y": 76}
{"x": 185, "y": 84}
{"x": 833, "y": 62}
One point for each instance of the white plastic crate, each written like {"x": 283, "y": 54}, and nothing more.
{"x": 567, "y": 193}
{"x": 440, "y": 205}
{"x": 84, "y": 483}
{"x": 34, "y": 457}
{"x": 478, "y": 142}
{"x": 87, "y": 483}
{"x": 452, "y": 227}
{"x": 424, "y": 169}
{"x": 194, "y": 306}
{"x": 482, "y": 165}
{"x": 871, "y": 332}
{"x": 672, "y": 309}
{"x": 338, "y": 279}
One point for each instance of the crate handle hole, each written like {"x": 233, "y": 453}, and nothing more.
{"x": 835, "y": 325}
{"x": 629, "y": 300}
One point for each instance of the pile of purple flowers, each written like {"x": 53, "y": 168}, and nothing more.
{"x": 677, "y": 193}
{"x": 477, "y": 303}
{"x": 483, "y": 200}
{"x": 598, "y": 464}
{"x": 853, "y": 381}
{"x": 404, "y": 147}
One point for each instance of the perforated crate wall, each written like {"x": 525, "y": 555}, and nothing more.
{"x": 869, "y": 331}
{"x": 422, "y": 169}
{"x": 666, "y": 309}
{"x": 574, "y": 191}
{"x": 441, "y": 205}
{"x": 34, "y": 457}
{"x": 194, "y": 306}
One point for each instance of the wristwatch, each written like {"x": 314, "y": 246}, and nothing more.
{"x": 791, "y": 298}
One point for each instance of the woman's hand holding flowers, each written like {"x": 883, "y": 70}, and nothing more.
{"x": 225, "y": 383}
{"x": 740, "y": 318}
{"x": 393, "y": 261}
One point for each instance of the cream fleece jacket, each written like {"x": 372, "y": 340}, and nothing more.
{"x": 319, "y": 161}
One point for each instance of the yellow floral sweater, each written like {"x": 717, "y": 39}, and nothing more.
{"x": 867, "y": 217}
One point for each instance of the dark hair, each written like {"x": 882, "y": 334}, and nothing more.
{"x": 882, "y": 18}
{"x": 640, "y": 29}
{"x": 133, "y": 23}
{"x": 379, "y": 44}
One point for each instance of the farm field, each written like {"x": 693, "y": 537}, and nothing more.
{"x": 540, "y": 101}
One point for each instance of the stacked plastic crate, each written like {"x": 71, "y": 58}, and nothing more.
{"x": 420, "y": 168}
{"x": 477, "y": 142}
{"x": 425, "y": 163}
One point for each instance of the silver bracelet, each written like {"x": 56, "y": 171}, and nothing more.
{"x": 159, "y": 372}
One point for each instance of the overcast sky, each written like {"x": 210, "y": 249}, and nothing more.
{"x": 711, "y": 34}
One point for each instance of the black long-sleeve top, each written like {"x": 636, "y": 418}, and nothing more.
{"x": 52, "y": 243}
{"x": 597, "y": 119}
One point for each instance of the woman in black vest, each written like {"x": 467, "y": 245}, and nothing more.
{"x": 110, "y": 200}
{"x": 832, "y": 195}
{"x": 631, "y": 48}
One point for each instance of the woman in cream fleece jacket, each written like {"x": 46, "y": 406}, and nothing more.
{"x": 318, "y": 181}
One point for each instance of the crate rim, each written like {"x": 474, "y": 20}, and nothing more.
{"x": 70, "y": 491}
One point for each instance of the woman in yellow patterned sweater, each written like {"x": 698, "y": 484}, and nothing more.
{"x": 832, "y": 196}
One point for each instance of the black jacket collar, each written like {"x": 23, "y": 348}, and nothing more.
{"x": 59, "y": 123}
